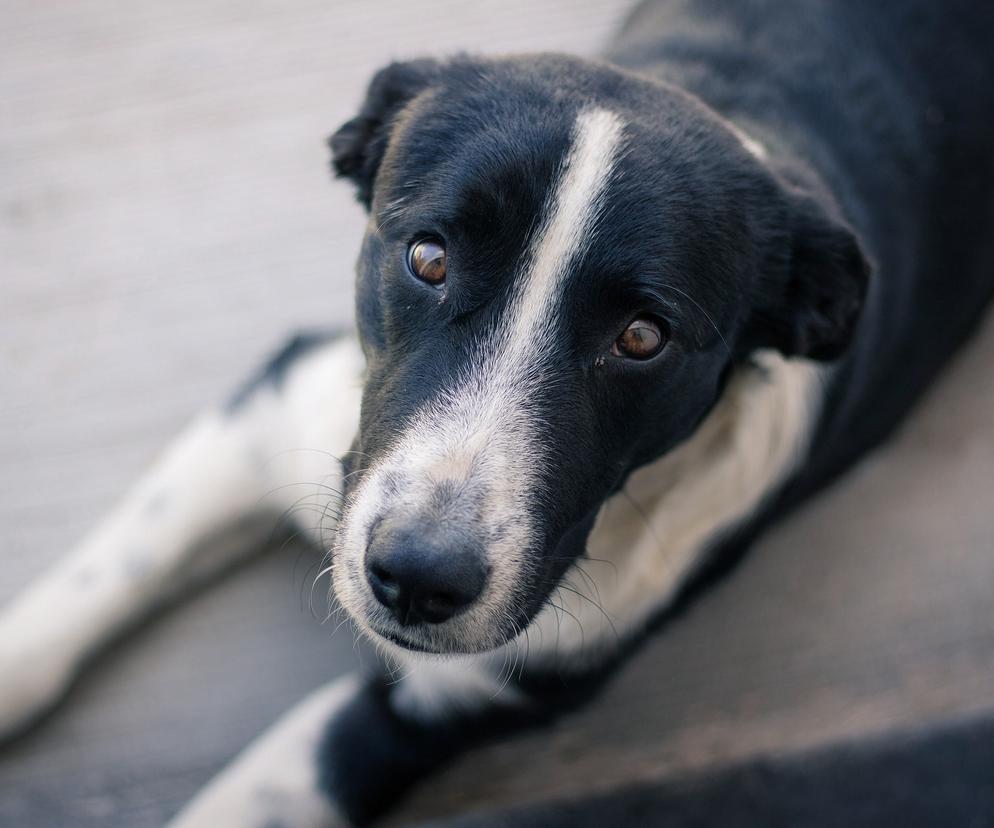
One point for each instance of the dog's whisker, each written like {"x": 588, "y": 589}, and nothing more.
{"x": 700, "y": 308}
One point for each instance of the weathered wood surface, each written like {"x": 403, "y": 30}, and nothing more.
{"x": 165, "y": 217}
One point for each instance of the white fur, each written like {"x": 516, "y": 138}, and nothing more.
{"x": 221, "y": 471}
{"x": 433, "y": 689}
{"x": 274, "y": 781}
{"x": 478, "y": 437}
{"x": 569, "y": 223}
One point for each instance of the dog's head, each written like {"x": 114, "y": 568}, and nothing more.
{"x": 563, "y": 265}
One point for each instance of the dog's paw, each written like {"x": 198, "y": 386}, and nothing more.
{"x": 261, "y": 809}
{"x": 275, "y": 781}
{"x": 32, "y": 680}
{"x": 231, "y": 803}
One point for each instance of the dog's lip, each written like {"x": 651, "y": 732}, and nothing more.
{"x": 401, "y": 641}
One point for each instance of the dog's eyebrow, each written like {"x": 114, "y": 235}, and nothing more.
{"x": 653, "y": 295}
{"x": 692, "y": 311}
{"x": 391, "y": 212}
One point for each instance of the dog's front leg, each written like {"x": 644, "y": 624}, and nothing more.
{"x": 347, "y": 753}
{"x": 276, "y": 780}
{"x": 234, "y": 468}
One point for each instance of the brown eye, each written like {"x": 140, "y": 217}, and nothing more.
{"x": 642, "y": 339}
{"x": 426, "y": 259}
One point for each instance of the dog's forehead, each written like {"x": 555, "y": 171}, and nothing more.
{"x": 463, "y": 157}
{"x": 487, "y": 172}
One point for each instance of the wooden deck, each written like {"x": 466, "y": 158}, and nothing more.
{"x": 166, "y": 217}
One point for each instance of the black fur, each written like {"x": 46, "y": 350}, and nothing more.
{"x": 371, "y": 755}
{"x": 864, "y": 239}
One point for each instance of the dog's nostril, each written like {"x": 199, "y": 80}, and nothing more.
{"x": 381, "y": 574}
{"x": 384, "y": 585}
{"x": 420, "y": 582}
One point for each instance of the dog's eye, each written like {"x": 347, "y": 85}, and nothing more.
{"x": 642, "y": 339}
{"x": 426, "y": 259}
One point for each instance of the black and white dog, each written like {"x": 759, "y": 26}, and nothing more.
{"x": 628, "y": 310}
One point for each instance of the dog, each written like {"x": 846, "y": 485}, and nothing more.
{"x": 629, "y": 310}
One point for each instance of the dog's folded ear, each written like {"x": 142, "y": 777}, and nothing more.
{"x": 812, "y": 307}
{"x": 357, "y": 147}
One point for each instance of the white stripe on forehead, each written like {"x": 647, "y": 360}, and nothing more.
{"x": 570, "y": 214}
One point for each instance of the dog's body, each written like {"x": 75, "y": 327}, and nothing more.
{"x": 812, "y": 144}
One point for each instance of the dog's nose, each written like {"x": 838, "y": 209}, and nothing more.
{"x": 421, "y": 580}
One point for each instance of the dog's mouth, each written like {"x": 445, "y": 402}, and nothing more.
{"x": 406, "y": 643}
{"x": 471, "y": 636}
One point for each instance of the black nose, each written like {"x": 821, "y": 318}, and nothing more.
{"x": 421, "y": 580}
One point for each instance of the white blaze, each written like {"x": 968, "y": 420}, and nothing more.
{"x": 570, "y": 216}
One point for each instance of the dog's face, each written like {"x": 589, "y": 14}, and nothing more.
{"x": 562, "y": 266}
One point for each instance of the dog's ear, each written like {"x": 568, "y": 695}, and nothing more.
{"x": 814, "y": 305}
{"x": 357, "y": 147}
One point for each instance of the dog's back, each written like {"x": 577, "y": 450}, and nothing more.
{"x": 874, "y": 97}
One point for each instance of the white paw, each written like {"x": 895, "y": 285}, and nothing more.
{"x": 31, "y": 680}
{"x": 275, "y": 780}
